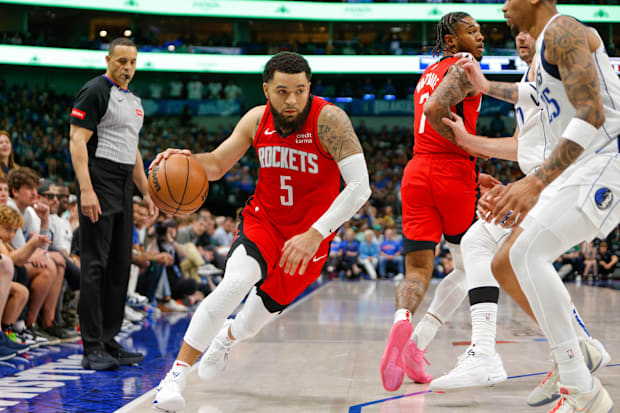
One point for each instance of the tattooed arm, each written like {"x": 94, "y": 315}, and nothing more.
{"x": 454, "y": 87}
{"x": 569, "y": 45}
{"x": 336, "y": 133}
{"x": 508, "y": 92}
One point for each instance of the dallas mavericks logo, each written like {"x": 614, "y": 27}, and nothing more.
{"x": 603, "y": 198}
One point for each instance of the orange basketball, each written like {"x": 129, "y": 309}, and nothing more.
{"x": 178, "y": 185}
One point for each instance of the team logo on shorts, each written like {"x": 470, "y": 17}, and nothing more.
{"x": 603, "y": 198}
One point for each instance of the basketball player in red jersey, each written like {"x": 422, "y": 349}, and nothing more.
{"x": 304, "y": 145}
{"x": 439, "y": 191}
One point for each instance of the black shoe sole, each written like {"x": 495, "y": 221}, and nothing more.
{"x": 126, "y": 361}
{"x": 111, "y": 365}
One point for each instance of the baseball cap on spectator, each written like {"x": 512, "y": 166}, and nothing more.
{"x": 44, "y": 186}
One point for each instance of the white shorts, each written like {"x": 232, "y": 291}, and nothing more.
{"x": 597, "y": 178}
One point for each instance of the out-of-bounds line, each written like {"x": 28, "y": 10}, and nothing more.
{"x": 358, "y": 407}
{"x": 151, "y": 393}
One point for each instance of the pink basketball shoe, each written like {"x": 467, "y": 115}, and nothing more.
{"x": 392, "y": 366}
{"x": 414, "y": 363}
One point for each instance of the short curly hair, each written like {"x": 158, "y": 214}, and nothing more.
{"x": 10, "y": 218}
{"x": 286, "y": 62}
{"x": 22, "y": 177}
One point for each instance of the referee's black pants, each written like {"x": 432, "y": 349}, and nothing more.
{"x": 105, "y": 255}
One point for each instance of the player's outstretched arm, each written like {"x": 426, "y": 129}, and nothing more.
{"x": 220, "y": 160}
{"x": 228, "y": 153}
{"x": 569, "y": 45}
{"x": 482, "y": 146}
{"x": 454, "y": 87}
{"x": 505, "y": 91}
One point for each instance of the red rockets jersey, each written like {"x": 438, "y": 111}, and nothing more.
{"x": 427, "y": 140}
{"x": 297, "y": 179}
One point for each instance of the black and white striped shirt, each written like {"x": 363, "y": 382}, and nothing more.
{"x": 115, "y": 116}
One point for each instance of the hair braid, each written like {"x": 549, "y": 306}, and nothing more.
{"x": 445, "y": 27}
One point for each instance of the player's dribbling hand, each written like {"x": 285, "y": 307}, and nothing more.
{"x": 474, "y": 72}
{"x": 299, "y": 250}
{"x": 165, "y": 154}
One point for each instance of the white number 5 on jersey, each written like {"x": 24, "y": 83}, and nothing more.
{"x": 286, "y": 200}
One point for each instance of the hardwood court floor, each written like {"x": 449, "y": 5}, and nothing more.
{"x": 323, "y": 354}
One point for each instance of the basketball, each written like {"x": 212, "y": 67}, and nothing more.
{"x": 178, "y": 185}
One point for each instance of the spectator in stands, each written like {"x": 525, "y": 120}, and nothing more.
{"x": 4, "y": 190}
{"x": 23, "y": 183}
{"x": 63, "y": 200}
{"x": 38, "y": 279}
{"x": 350, "y": 254}
{"x": 334, "y": 260}
{"x": 390, "y": 255}
{"x": 607, "y": 261}
{"x": 225, "y": 231}
{"x": 589, "y": 259}
{"x": 7, "y": 158}
{"x": 369, "y": 254}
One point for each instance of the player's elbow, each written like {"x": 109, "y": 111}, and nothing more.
{"x": 430, "y": 108}
{"x": 361, "y": 192}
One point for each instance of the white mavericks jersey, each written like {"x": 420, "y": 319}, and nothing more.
{"x": 597, "y": 171}
{"x": 560, "y": 110}
{"x": 536, "y": 141}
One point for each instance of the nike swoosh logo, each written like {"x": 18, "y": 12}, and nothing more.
{"x": 315, "y": 259}
{"x": 269, "y": 132}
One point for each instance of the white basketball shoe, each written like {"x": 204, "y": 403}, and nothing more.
{"x": 595, "y": 401}
{"x": 215, "y": 359}
{"x": 473, "y": 369}
{"x": 168, "y": 397}
{"x": 594, "y": 355}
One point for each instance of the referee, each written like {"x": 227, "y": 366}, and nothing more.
{"x": 105, "y": 122}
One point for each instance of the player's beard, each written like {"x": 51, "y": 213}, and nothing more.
{"x": 281, "y": 122}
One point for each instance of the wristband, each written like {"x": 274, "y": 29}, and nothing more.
{"x": 580, "y": 132}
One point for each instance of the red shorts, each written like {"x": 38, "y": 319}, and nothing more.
{"x": 264, "y": 243}
{"x": 439, "y": 195}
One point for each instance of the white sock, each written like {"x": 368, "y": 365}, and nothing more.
{"x": 571, "y": 365}
{"x": 179, "y": 367}
{"x": 484, "y": 327}
{"x": 402, "y": 314}
{"x": 580, "y": 327}
{"x": 425, "y": 331}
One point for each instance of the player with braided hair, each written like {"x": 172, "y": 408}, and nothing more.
{"x": 439, "y": 191}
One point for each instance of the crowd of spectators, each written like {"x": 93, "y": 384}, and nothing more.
{"x": 376, "y": 39}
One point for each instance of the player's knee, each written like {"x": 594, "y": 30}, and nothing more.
{"x": 241, "y": 329}
{"x": 500, "y": 265}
